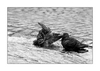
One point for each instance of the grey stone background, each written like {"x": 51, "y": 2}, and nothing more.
{"x": 23, "y": 28}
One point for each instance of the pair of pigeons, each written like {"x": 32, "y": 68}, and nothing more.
{"x": 45, "y": 38}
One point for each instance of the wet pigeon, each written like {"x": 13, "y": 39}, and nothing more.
{"x": 42, "y": 35}
{"x": 45, "y": 37}
{"x": 71, "y": 44}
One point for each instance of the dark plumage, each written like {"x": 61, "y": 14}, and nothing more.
{"x": 42, "y": 35}
{"x": 48, "y": 40}
{"x": 54, "y": 37}
{"x": 71, "y": 44}
{"x": 45, "y": 29}
{"x": 45, "y": 37}
{"x": 37, "y": 43}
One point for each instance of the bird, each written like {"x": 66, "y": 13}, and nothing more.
{"x": 41, "y": 35}
{"x": 45, "y": 37}
{"x": 71, "y": 44}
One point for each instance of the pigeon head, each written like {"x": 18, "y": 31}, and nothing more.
{"x": 65, "y": 35}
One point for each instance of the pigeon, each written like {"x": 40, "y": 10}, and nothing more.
{"x": 45, "y": 37}
{"x": 41, "y": 35}
{"x": 72, "y": 44}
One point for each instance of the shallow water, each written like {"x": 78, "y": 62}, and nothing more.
{"x": 23, "y": 28}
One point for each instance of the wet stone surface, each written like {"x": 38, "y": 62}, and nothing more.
{"x": 23, "y": 28}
